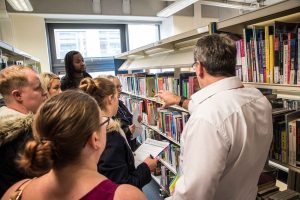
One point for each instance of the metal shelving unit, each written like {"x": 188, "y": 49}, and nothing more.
{"x": 15, "y": 54}
{"x": 154, "y": 55}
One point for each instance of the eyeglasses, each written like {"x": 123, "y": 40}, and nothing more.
{"x": 195, "y": 64}
{"x": 106, "y": 121}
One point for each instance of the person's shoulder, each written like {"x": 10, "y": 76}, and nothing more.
{"x": 85, "y": 74}
{"x": 12, "y": 190}
{"x": 129, "y": 192}
{"x": 114, "y": 136}
{"x": 63, "y": 78}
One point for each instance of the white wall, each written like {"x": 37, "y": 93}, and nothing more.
{"x": 178, "y": 24}
{"x": 6, "y": 33}
{"x": 182, "y": 24}
{"x": 174, "y": 25}
{"x": 203, "y": 15}
{"x": 166, "y": 28}
{"x": 29, "y": 35}
{"x": 199, "y": 20}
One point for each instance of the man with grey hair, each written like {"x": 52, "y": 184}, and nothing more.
{"x": 22, "y": 93}
{"x": 226, "y": 140}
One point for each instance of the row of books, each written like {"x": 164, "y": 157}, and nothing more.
{"x": 172, "y": 122}
{"x": 169, "y": 122}
{"x": 291, "y": 104}
{"x": 285, "y": 146}
{"x": 167, "y": 176}
{"x": 171, "y": 156}
{"x": 132, "y": 104}
{"x": 269, "y": 54}
{"x": 149, "y": 84}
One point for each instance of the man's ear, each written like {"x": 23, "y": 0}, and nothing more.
{"x": 17, "y": 95}
{"x": 200, "y": 70}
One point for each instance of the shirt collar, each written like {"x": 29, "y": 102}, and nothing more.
{"x": 216, "y": 87}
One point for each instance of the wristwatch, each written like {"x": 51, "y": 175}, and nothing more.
{"x": 182, "y": 99}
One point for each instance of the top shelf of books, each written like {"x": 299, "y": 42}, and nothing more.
{"x": 177, "y": 51}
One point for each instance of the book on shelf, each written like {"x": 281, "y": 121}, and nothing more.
{"x": 269, "y": 54}
{"x": 172, "y": 184}
{"x": 171, "y": 155}
{"x": 146, "y": 85}
{"x": 167, "y": 176}
{"x": 262, "y": 193}
{"x": 280, "y": 145}
{"x": 171, "y": 123}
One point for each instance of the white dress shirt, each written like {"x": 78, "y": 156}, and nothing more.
{"x": 225, "y": 143}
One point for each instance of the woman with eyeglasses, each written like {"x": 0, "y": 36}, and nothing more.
{"x": 117, "y": 161}
{"x": 69, "y": 138}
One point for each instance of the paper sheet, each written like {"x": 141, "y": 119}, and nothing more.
{"x": 150, "y": 146}
{"x": 138, "y": 126}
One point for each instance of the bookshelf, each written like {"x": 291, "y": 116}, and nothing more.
{"x": 156, "y": 100}
{"x": 12, "y": 55}
{"x": 162, "y": 134}
{"x": 177, "y": 52}
{"x": 157, "y": 180}
{"x": 170, "y": 167}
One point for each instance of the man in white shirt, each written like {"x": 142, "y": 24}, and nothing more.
{"x": 226, "y": 140}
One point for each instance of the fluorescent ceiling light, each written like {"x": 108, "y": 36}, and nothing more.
{"x": 228, "y": 5}
{"x": 175, "y": 7}
{"x": 21, "y": 5}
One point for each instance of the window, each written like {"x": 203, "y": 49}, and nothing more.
{"x": 97, "y": 43}
{"x": 90, "y": 42}
{"x": 142, "y": 34}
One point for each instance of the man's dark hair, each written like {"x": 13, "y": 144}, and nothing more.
{"x": 69, "y": 67}
{"x": 217, "y": 54}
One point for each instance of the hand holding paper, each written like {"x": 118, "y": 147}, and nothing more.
{"x": 151, "y": 162}
{"x": 150, "y": 146}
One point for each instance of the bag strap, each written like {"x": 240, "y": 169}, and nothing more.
{"x": 17, "y": 195}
